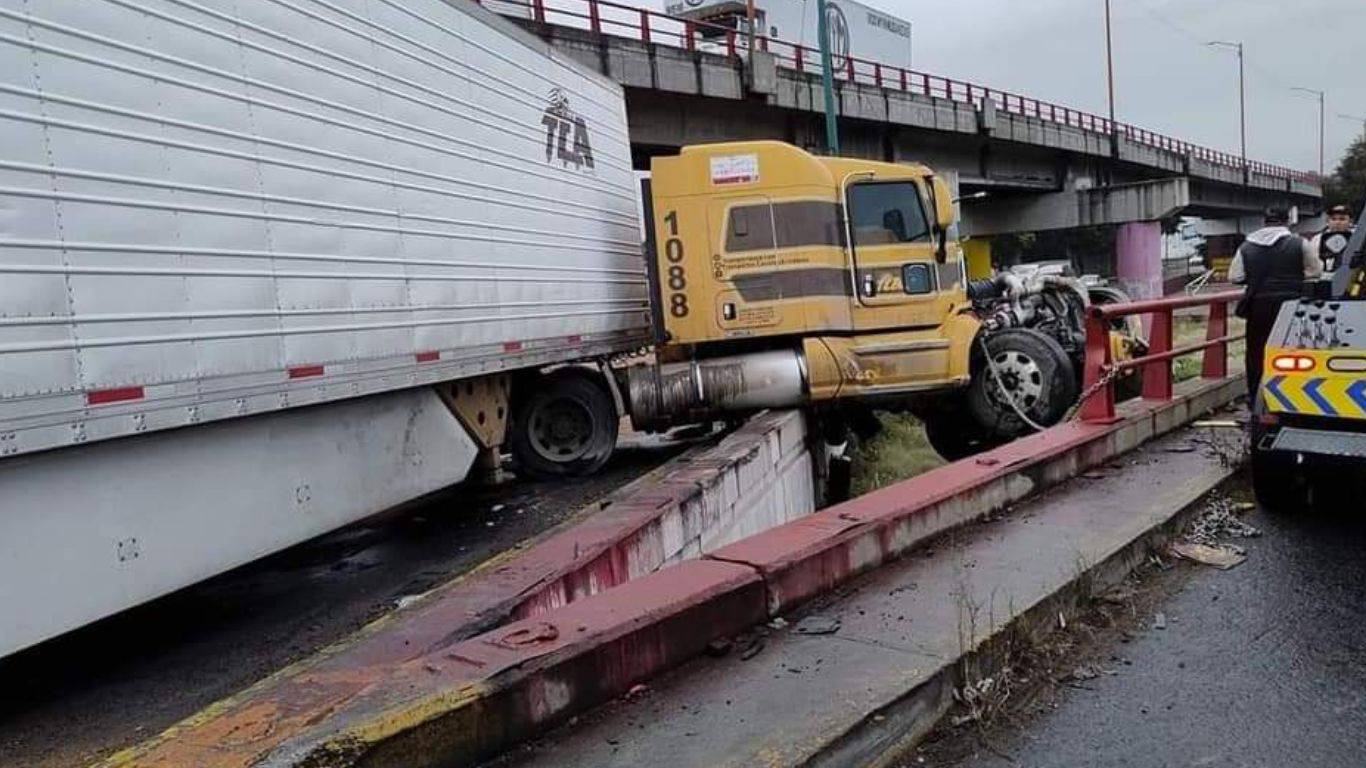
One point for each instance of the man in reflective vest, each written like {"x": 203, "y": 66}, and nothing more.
{"x": 1332, "y": 241}
{"x": 1273, "y": 263}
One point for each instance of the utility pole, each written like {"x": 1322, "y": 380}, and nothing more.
{"x": 749, "y": 17}
{"x": 832, "y": 129}
{"x": 1110, "y": 64}
{"x": 1320, "y": 94}
{"x": 1242, "y": 94}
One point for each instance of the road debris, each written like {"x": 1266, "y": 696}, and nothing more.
{"x": 1218, "y": 424}
{"x": 1222, "y": 556}
{"x": 1160, "y": 620}
{"x": 752, "y": 649}
{"x": 718, "y": 648}
{"x": 818, "y": 625}
{"x": 1220, "y": 520}
{"x": 778, "y": 623}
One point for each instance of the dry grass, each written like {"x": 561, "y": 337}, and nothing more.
{"x": 900, "y": 451}
{"x": 1189, "y": 329}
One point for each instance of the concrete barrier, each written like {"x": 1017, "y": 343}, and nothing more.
{"x": 466, "y": 701}
{"x": 757, "y": 477}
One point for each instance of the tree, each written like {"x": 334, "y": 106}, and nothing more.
{"x": 1347, "y": 185}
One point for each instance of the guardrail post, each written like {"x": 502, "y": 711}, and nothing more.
{"x": 538, "y": 11}
{"x": 689, "y": 32}
{"x": 905, "y": 86}
{"x": 730, "y": 43}
{"x": 799, "y": 58}
{"x": 849, "y": 67}
{"x": 1100, "y": 407}
{"x": 594, "y": 17}
{"x": 1216, "y": 357}
{"x": 877, "y": 74}
{"x": 1157, "y": 376}
{"x": 644, "y": 26}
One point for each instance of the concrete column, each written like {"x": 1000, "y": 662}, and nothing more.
{"x": 1138, "y": 258}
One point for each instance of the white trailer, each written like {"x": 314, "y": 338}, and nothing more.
{"x": 245, "y": 250}
{"x": 855, "y": 29}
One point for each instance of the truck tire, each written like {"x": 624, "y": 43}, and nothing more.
{"x": 956, "y": 435}
{"x": 563, "y": 425}
{"x": 1034, "y": 369}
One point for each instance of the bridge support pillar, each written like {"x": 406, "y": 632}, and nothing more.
{"x": 1138, "y": 258}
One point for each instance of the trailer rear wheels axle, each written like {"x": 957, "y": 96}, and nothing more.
{"x": 564, "y": 423}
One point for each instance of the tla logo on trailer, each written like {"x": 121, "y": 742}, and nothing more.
{"x": 561, "y": 124}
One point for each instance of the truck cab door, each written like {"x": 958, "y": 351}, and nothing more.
{"x": 898, "y": 284}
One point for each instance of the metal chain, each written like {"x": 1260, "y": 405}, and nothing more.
{"x": 1111, "y": 373}
{"x": 1001, "y": 387}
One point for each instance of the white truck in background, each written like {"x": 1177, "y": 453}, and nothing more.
{"x": 855, "y": 29}
{"x": 269, "y": 268}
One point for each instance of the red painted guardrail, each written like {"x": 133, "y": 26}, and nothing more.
{"x": 1100, "y": 369}
{"x": 605, "y": 17}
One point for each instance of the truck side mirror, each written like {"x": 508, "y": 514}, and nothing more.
{"x": 943, "y": 204}
{"x": 943, "y": 217}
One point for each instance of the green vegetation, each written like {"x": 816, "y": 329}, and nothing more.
{"x": 900, "y": 451}
{"x": 1347, "y": 185}
{"x": 1190, "y": 329}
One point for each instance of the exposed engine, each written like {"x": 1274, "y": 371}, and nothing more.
{"x": 1052, "y": 304}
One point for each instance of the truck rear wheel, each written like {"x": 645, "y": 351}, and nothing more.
{"x": 563, "y": 424}
{"x": 1034, "y": 372}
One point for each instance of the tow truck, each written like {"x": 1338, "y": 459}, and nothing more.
{"x": 1309, "y": 417}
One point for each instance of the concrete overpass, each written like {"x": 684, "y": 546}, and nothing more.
{"x": 1046, "y": 166}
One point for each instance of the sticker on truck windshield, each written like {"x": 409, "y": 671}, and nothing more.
{"x": 735, "y": 169}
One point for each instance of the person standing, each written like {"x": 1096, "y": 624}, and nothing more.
{"x": 1331, "y": 243}
{"x": 1273, "y": 263}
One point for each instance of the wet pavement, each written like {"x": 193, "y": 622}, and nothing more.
{"x": 84, "y": 695}
{"x": 1262, "y": 665}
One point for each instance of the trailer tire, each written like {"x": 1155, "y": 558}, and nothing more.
{"x": 1035, "y": 369}
{"x": 564, "y": 424}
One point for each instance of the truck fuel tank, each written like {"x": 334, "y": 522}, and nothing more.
{"x": 664, "y": 395}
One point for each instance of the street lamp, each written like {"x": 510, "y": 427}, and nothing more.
{"x": 1242, "y": 98}
{"x": 1320, "y": 94}
{"x": 1110, "y": 65}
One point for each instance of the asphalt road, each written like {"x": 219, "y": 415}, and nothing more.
{"x": 1262, "y": 665}
{"x": 78, "y": 698}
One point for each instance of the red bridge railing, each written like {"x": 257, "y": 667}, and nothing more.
{"x": 1100, "y": 369}
{"x": 614, "y": 19}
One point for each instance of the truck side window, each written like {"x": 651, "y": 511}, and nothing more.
{"x": 916, "y": 279}
{"x": 886, "y": 213}
{"x": 749, "y": 228}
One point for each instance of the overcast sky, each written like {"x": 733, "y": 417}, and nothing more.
{"x": 1166, "y": 79}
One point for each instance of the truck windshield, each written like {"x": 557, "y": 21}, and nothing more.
{"x": 887, "y": 212}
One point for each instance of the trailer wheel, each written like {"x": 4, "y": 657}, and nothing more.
{"x": 1035, "y": 373}
{"x": 564, "y": 424}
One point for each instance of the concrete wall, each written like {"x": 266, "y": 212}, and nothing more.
{"x": 758, "y": 477}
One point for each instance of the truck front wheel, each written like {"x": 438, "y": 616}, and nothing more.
{"x": 1027, "y": 372}
{"x": 563, "y": 424}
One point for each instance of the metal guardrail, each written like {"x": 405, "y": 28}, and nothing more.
{"x": 642, "y": 25}
{"x": 1100, "y": 369}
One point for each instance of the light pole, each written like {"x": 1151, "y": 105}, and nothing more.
{"x": 832, "y": 130}
{"x": 1110, "y": 64}
{"x": 1320, "y": 94}
{"x": 1242, "y": 94}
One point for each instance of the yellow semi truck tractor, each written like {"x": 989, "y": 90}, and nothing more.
{"x": 782, "y": 279}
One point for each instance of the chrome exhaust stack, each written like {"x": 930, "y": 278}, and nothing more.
{"x": 661, "y": 396}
